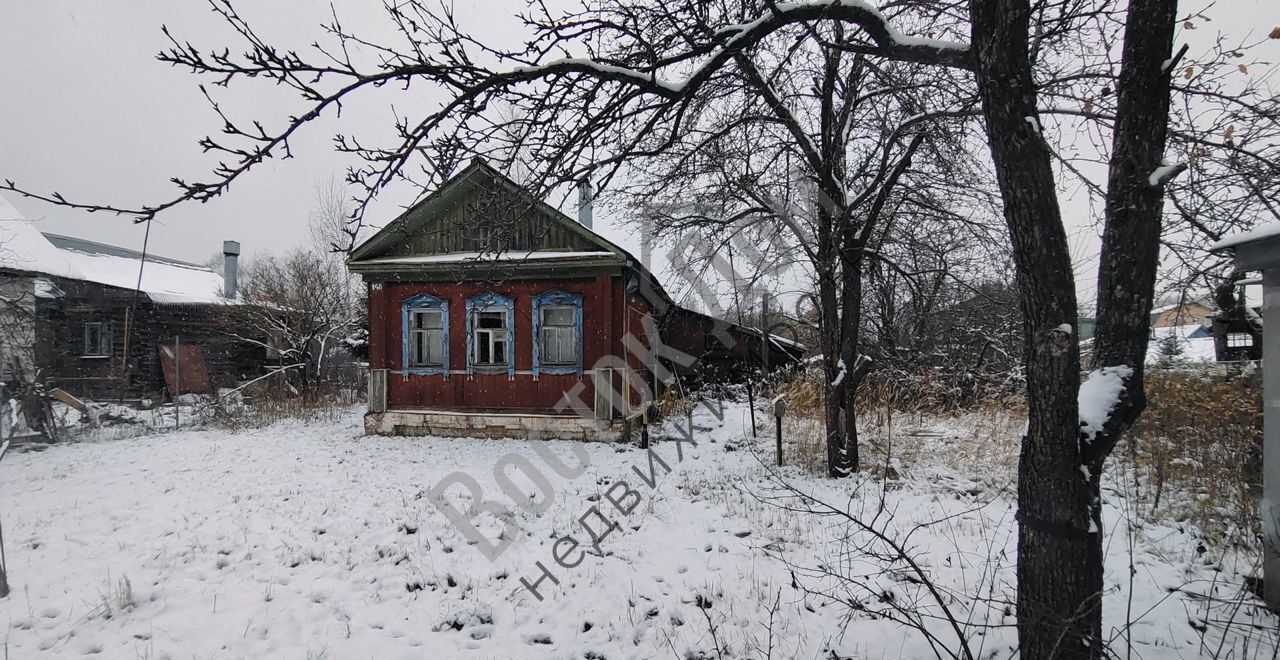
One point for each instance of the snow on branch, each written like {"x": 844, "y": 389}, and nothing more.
{"x": 1099, "y": 395}
{"x": 733, "y": 39}
{"x": 1165, "y": 173}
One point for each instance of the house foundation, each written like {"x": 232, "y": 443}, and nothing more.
{"x": 454, "y": 424}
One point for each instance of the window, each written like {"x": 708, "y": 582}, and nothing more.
{"x": 557, "y": 327}
{"x": 426, "y": 336}
{"x": 490, "y": 341}
{"x": 1239, "y": 340}
{"x": 559, "y": 336}
{"x": 97, "y": 340}
{"x": 426, "y": 327}
{"x": 491, "y": 334}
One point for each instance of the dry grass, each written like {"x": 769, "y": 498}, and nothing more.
{"x": 1196, "y": 452}
{"x": 270, "y": 403}
{"x": 979, "y": 440}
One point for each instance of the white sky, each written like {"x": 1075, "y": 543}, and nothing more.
{"x": 85, "y": 109}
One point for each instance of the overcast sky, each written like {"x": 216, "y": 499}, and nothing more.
{"x": 85, "y": 109}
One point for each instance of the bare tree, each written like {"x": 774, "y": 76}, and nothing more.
{"x": 301, "y": 305}
{"x": 22, "y": 393}
{"x": 867, "y": 143}
{"x": 603, "y": 87}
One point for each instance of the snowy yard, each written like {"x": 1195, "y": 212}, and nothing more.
{"x": 311, "y": 541}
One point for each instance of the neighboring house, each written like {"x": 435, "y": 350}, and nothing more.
{"x": 492, "y": 313}
{"x": 1197, "y": 327}
{"x": 1085, "y": 326}
{"x": 73, "y": 308}
{"x": 1183, "y": 309}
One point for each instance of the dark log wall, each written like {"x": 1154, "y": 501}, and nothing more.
{"x": 60, "y": 342}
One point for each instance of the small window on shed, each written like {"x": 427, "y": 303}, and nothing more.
{"x": 1239, "y": 340}
{"x": 97, "y": 340}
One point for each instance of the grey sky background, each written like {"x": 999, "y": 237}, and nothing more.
{"x": 85, "y": 109}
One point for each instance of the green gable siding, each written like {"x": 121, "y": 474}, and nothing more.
{"x": 480, "y": 210}
{"x": 485, "y": 220}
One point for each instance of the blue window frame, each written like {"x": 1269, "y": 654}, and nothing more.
{"x": 557, "y": 333}
{"x": 425, "y": 325}
{"x": 491, "y": 334}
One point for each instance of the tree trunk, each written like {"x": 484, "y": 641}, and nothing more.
{"x": 850, "y": 324}
{"x": 1131, "y": 239}
{"x": 1060, "y": 559}
{"x": 833, "y": 385}
{"x": 1059, "y": 569}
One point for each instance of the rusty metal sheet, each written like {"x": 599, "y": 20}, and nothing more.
{"x": 194, "y": 373}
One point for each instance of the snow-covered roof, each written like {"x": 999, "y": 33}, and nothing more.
{"x": 1256, "y": 234}
{"x": 24, "y": 248}
{"x": 7, "y": 211}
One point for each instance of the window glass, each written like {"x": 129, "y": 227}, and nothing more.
{"x": 562, "y": 316}
{"x": 97, "y": 340}
{"x": 489, "y": 342}
{"x": 427, "y": 340}
{"x": 558, "y": 336}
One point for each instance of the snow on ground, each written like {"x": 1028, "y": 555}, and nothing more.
{"x": 311, "y": 541}
{"x": 1194, "y": 341}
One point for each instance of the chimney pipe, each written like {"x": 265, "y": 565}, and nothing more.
{"x": 230, "y": 268}
{"x": 584, "y": 202}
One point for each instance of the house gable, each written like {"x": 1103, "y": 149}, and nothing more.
{"x": 481, "y": 217}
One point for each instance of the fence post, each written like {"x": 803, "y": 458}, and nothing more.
{"x": 779, "y": 409}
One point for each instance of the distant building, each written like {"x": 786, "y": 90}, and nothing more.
{"x": 1224, "y": 327}
{"x": 75, "y": 316}
{"x": 1086, "y": 326}
{"x": 1183, "y": 309}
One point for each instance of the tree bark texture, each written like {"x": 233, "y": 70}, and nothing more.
{"x": 1059, "y": 581}
{"x": 1060, "y": 558}
{"x": 1135, "y": 202}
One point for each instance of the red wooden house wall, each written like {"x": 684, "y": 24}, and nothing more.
{"x": 608, "y": 313}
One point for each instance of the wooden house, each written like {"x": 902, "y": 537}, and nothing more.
{"x": 492, "y": 313}
{"x": 1182, "y": 309}
{"x": 76, "y": 316}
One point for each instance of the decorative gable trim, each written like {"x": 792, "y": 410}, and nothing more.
{"x": 483, "y": 176}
